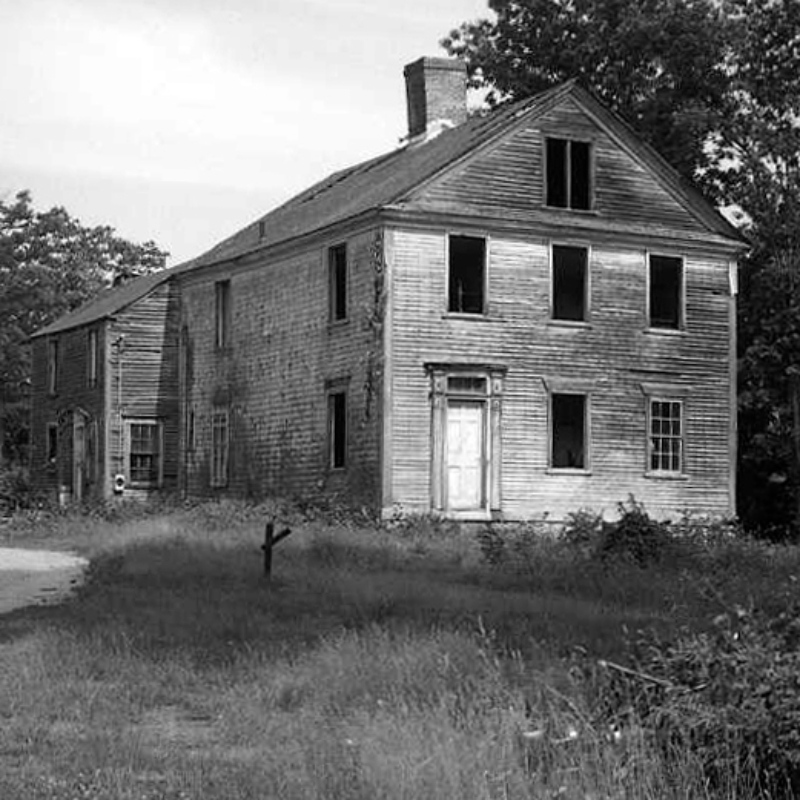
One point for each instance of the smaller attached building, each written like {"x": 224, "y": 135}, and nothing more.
{"x": 104, "y": 415}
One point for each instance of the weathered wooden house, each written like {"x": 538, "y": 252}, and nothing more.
{"x": 513, "y": 315}
{"x": 104, "y": 415}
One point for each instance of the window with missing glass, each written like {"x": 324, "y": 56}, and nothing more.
{"x": 466, "y": 286}
{"x": 570, "y": 289}
{"x": 569, "y": 174}
{"x": 568, "y": 425}
{"x": 665, "y": 302}
{"x": 337, "y": 283}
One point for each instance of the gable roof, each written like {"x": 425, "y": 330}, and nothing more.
{"x": 112, "y": 301}
{"x": 385, "y": 180}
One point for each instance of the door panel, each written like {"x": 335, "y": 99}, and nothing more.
{"x": 465, "y": 456}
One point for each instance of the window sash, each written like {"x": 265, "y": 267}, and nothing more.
{"x": 144, "y": 453}
{"x": 666, "y": 439}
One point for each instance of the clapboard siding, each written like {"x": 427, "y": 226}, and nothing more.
{"x": 612, "y": 357}
{"x": 507, "y": 177}
{"x": 274, "y": 377}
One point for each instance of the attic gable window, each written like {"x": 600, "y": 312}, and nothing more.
{"x": 666, "y": 292}
{"x": 569, "y": 179}
{"x": 570, "y": 283}
{"x": 466, "y": 275}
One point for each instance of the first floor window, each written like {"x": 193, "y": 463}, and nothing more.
{"x": 666, "y": 436}
{"x": 219, "y": 448}
{"x": 144, "y": 453}
{"x": 568, "y": 431}
{"x": 52, "y": 442}
{"x": 337, "y": 429}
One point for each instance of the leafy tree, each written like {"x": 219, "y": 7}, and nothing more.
{"x": 49, "y": 265}
{"x": 658, "y": 63}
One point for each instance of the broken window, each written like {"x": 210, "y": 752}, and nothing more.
{"x": 52, "y": 366}
{"x": 222, "y": 313}
{"x": 467, "y": 275}
{"x": 568, "y": 431}
{"x": 337, "y": 429}
{"x": 219, "y": 447}
{"x": 144, "y": 453}
{"x": 569, "y": 168}
{"x": 666, "y": 291}
{"x": 666, "y": 436}
{"x": 337, "y": 283}
{"x": 569, "y": 282}
{"x": 52, "y": 442}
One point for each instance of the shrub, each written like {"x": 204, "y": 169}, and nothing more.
{"x": 15, "y": 489}
{"x": 635, "y": 537}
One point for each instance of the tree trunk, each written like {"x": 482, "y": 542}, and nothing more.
{"x": 794, "y": 392}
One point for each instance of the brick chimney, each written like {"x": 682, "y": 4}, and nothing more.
{"x": 436, "y": 95}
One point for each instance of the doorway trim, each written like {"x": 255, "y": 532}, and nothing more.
{"x": 475, "y": 383}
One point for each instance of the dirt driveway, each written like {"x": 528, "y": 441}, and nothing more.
{"x": 37, "y": 577}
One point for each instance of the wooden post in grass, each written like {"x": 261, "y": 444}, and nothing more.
{"x": 270, "y": 540}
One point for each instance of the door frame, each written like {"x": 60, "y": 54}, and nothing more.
{"x": 467, "y": 383}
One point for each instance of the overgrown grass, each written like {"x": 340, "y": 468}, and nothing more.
{"x": 376, "y": 664}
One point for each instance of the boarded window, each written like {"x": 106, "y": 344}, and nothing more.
{"x": 666, "y": 291}
{"x": 569, "y": 174}
{"x": 568, "y": 431}
{"x": 337, "y": 282}
{"x": 569, "y": 282}
{"x": 52, "y": 366}
{"x": 52, "y": 442}
{"x": 337, "y": 429}
{"x": 220, "y": 442}
{"x": 144, "y": 453}
{"x": 222, "y": 313}
{"x": 666, "y": 436}
{"x": 467, "y": 275}
{"x": 92, "y": 342}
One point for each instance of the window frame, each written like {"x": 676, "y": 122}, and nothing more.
{"x": 222, "y": 314}
{"x": 337, "y": 448}
{"x": 658, "y": 472}
{"x": 149, "y": 422}
{"x": 92, "y": 357}
{"x": 587, "y": 283}
{"x": 484, "y": 277}
{"x": 220, "y": 459}
{"x": 567, "y": 180}
{"x": 681, "y": 323}
{"x": 338, "y": 284}
{"x": 53, "y": 357}
{"x": 559, "y": 391}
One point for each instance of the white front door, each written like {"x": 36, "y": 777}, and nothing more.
{"x": 465, "y": 455}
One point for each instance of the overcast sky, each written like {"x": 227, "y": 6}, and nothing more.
{"x": 183, "y": 120}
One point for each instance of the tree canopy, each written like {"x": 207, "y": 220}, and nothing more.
{"x": 49, "y": 265}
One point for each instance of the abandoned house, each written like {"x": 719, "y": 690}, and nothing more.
{"x": 513, "y": 315}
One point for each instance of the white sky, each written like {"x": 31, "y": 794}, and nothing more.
{"x": 183, "y": 120}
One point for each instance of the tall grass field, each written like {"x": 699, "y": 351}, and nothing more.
{"x": 421, "y": 660}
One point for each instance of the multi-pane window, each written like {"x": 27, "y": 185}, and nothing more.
{"x": 144, "y": 453}
{"x": 337, "y": 429}
{"x": 52, "y": 366}
{"x": 222, "y": 313}
{"x": 337, "y": 283}
{"x": 568, "y": 431}
{"x": 666, "y": 292}
{"x": 92, "y": 342}
{"x": 666, "y": 436}
{"x": 570, "y": 283}
{"x": 569, "y": 174}
{"x": 220, "y": 442}
{"x": 467, "y": 275}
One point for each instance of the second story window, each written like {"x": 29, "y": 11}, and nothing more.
{"x": 337, "y": 283}
{"x": 92, "y": 343}
{"x": 665, "y": 304}
{"x": 222, "y": 313}
{"x": 467, "y": 275}
{"x": 52, "y": 366}
{"x": 569, "y": 174}
{"x": 570, "y": 283}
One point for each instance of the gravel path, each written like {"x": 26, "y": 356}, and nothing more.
{"x": 37, "y": 577}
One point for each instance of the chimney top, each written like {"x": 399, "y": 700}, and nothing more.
{"x": 436, "y": 95}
